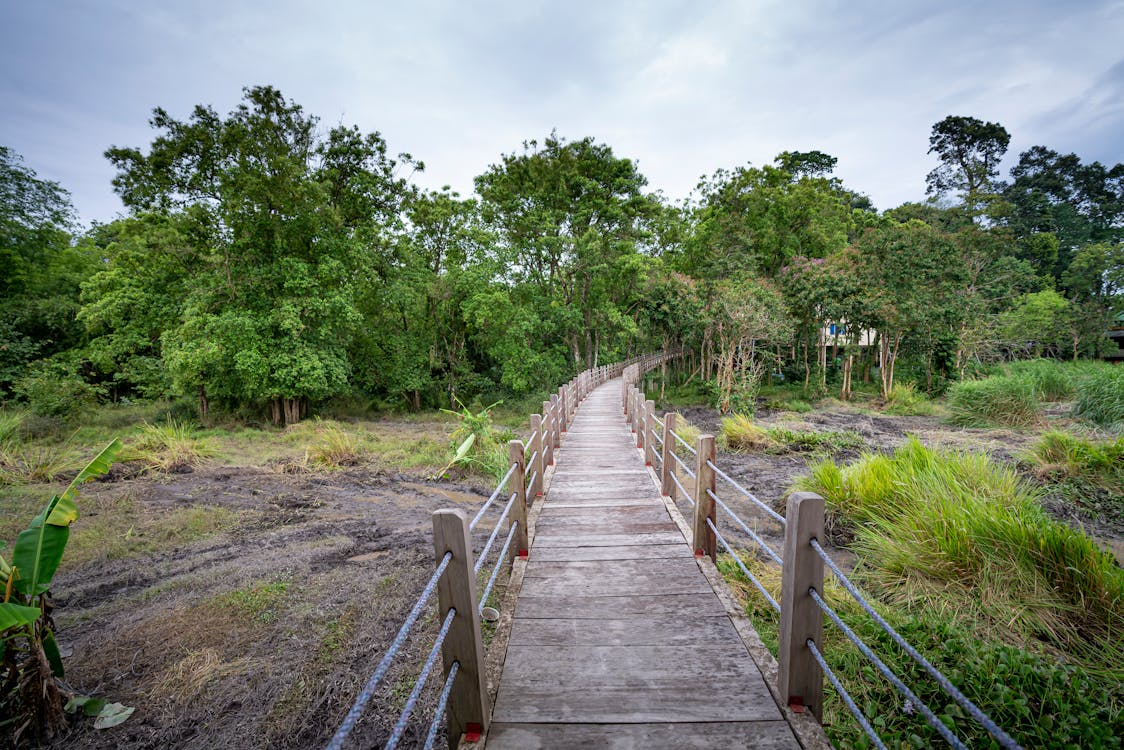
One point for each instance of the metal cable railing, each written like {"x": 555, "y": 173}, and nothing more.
{"x": 419, "y": 685}
{"x": 499, "y": 488}
{"x": 498, "y": 567}
{"x": 848, "y": 701}
{"x": 737, "y": 558}
{"x": 684, "y": 466}
{"x": 768, "y": 511}
{"x": 749, "y": 532}
{"x": 492, "y": 538}
{"x": 682, "y": 489}
{"x": 383, "y": 667}
{"x": 1004, "y": 739}
{"x": 684, "y": 443}
{"x": 442, "y": 703}
{"x": 888, "y": 673}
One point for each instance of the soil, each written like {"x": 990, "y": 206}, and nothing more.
{"x": 261, "y": 636}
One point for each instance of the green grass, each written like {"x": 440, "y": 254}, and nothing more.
{"x": 1100, "y": 397}
{"x": 1098, "y": 462}
{"x": 1053, "y": 380}
{"x": 258, "y": 602}
{"x": 168, "y": 448}
{"x": 963, "y": 537}
{"x": 1040, "y": 701}
{"x": 739, "y": 433}
{"x": 1004, "y": 401}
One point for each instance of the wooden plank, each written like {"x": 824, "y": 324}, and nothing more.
{"x": 594, "y": 530}
{"x": 655, "y": 581}
{"x": 632, "y": 552}
{"x": 608, "y": 540}
{"x": 687, "y": 606}
{"x": 628, "y": 630}
{"x": 602, "y": 502}
{"x": 729, "y": 735}
{"x": 607, "y": 684}
{"x": 606, "y": 516}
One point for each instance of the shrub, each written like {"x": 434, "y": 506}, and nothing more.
{"x": 333, "y": 447}
{"x": 905, "y": 401}
{"x": 956, "y": 533}
{"x": 37, "y": 463}
{"x": 739, "y": 433}
{"x": 1100, "y": 396}
{"x": 1004, "y": 401}
{"x": 830, "y": 440}
{"x": 53, "y": 387}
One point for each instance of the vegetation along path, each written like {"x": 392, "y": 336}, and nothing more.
{"x": 619, "y": 640}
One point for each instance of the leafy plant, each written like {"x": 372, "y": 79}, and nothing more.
{"x": 740, "y": 433}
{"x": 36, "y": 463}
{"x": 905, "y": 401}
{"x": 333, "y": 447}
{"x": 30, "y": 661}
{"x": 474, "y": 444}
{"x": 1004, "y": 401}
{"x": 1101, "y": 463}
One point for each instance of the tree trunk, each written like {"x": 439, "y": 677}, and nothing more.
{"x": 204, "y": 404}
{"x": 848, "y": 365}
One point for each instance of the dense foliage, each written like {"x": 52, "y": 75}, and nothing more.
{"x": 267, "y": 265}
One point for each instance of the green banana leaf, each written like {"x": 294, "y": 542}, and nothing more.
{"x": 51, "y": 651}
{"x": 65, "y": 512}
{"x": 37, "y": 555}
{"x": 17, "y": 615}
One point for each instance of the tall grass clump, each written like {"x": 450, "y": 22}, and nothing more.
{"x": 956, "y": 534}
{"x": 906, "y": 401}
{"x": 739, "y": 433}
{"x": 169, "y": 448}
{"x": 687, "y": 432}
{"x": 1053, "y": 380}
{"x": 1100, "y": 396}
{"x": 1004, "y": 401}
{"x": 1098, "y": 462}
{"x": 332, "y": 447}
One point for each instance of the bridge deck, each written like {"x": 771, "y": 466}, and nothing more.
{"x": 618, "y": 639}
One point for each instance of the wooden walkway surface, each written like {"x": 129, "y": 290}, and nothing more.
{"x": 618, "y": 639}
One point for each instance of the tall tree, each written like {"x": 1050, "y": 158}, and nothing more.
{"x": 288, "y": 224}
{"x": 969, "y": 151}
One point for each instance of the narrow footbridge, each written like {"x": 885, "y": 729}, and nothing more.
{"x": 618, "y": 638}
{"x": 615, "y": 629}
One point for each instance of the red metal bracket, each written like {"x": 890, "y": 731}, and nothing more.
{"x": 796, "y": 703}
{"x": 473, "y": 732}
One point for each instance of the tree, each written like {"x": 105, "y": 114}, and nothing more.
{"x": 969, "y": 151}
{"x": 569, "y": 215}
{"x": 42, "y": 270}
{"x": 806, "y": 163}
{"x": 288, "y": 224}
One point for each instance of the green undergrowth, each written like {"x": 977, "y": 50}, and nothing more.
{"x": 964, "y": 538}
{"x": 1041, "y": 701}
{"x": 740, "y": 433}
{"x": 906, "y": 401}
{"x": 1082, "y": 471}
{"x": 1100, "y": 397}
{"x": 1002, "y": 401}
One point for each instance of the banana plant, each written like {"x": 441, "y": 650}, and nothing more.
{"x": 24, "y": 611}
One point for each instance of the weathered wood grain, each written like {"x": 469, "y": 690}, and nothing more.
{"x": 728, "y": 735}
{"x": 623, "y": 630}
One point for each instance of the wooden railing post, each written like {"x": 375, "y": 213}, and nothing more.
{"x": 518, "y": 486}
{"x": 548, "y": 435}
{"x": 641, "y": 423}
{"x": 800, "y": 678}
{"x": 538, "y": 467}
{"x": 563, "y": 415}
{"x": 555, "y": 422}
{"x": 704, "y": 541}
{"x": 667, "y": 464}
{"x": 468, "y": 710}
{"x": 649, "y": 432}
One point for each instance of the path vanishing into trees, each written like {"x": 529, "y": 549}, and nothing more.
{"x": 618, "y": 638}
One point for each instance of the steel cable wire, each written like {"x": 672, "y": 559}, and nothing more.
{"x": 384, "y": 664}
{"x": 1004, "y": 739}
{"x": 492, "y": 539}
{"x": 772, "y": 513}
{"x": 888, "y": 673}
{"x": 499, "y": 566}
{"x": 737, "y": 558}
{"x": 492, "y": 499}
{"x": 685, "y": 444}
{"x": 752, "y": 534}
{"x": 848, "y": 701}
{"x": 686, "y": 468}
{"x": 419, "y": 685}
{"x": 442, "y": 702}
{"x": 686, "y": 495}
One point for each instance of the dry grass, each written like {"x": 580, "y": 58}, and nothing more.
{"x": 188, "y": 679}
{"x": 168, "y": 448}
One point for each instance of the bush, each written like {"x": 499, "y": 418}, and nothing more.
{"x": 54, "y": 388}
{"x": 957, "y": 533}
{"x": 168, "y": 448}
{"x": 1004, "y": 401}
{"x": 333, "y": 447}
{"x": 1100, "y": 396}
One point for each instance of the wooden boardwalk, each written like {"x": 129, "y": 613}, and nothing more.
{"x": 618, "y": 639}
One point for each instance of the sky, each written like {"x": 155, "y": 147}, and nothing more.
{"x": 682, "y": 88}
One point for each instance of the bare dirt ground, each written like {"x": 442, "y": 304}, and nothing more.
{"x": 260, "y": 635}
{"x": 243, "y": 606}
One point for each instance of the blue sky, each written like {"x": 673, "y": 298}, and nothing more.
{"x": 684, "y": 88}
